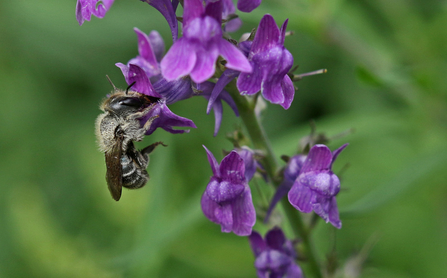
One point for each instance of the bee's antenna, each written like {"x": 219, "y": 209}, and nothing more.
{"x": 111, "y": 83}
{"x": 130, "y": 86}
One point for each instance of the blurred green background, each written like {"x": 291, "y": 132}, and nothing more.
{"x": 386, "y": 64}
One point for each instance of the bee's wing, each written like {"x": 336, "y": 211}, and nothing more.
{"x": 114, "y": 174}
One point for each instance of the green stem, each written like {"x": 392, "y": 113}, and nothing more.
{"x": 260, "y": 141}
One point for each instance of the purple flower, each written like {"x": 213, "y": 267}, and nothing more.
{"x": 151, "y": 50}
{"x": 271, "y": 62}
{"x": 291, "y": 172}
{"x": 275, "y": 256}
{"x": 247, "y": 6}
{"x": 166, "y": 119}
{"x": 316, "y": 186}
{"x": 85, "y": 9}
{"x": 195, "y": 53}
{"x": 227, "y": 198}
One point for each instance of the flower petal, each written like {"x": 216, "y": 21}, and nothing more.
{"x": 214, "y": 10}
{"x": 146, "y": 52}
{"x": 301, "y": 197}
{"x": 175, "y": 90}
{"x": 192, "y": 9}
{"x": 85, "y": 9}
{"x": 247, "y": 6}
{"x": 293, "y": 167}
{"x": 224, "y": 79}
{"x": 232, "y": 168}
{"x": 334, "y": 216}
{"x": 267, "y": 35}
{"x": 223, "y": 191}
{"x": 319, "y": 158}
{"x": 224, "y": 216}
{"x": 281, "y": 191}
{"x": 327, "y": 209}
{"x": 179, "y": 61}
{"x": 250, "y": 163}
{"x": 205, "y": 64}
{"x": 337, "y": 152}
{"x": 236, "y": 60}
{"x": 282, "y": 31}
{"x": 249, "y": 83}
{"x": 288, "y": 90}
{"x": 275, "y": 239}
{"x": 257, "y": 244}
{"x": 209, "y": 207}
{"x": 294, "y": 271}
{"x": 165, "y": 7}
{"x": 158, "y": 45}
{"x": 213, "y": 162}
{"x": 244, "y": 214}
{"x": 166, "y": 120}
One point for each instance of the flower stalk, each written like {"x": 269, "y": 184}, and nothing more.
{"x": 260, "y": 141}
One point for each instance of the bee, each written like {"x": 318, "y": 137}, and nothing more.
{"x": 116, "y": 129}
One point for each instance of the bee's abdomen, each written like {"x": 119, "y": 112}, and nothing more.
{"x": 133, "y": 175}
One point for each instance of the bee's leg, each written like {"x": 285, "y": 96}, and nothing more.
{"x": 150, "y": 148}
{"x": 144, "y": 160}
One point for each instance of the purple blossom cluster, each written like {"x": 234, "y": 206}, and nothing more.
{"x": 261, "y": 65}
{"x": 201, "y": 62}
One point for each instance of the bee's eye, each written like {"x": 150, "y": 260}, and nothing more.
{"x": 134, "y": 102}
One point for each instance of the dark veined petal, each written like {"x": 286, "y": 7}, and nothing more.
{"x": 166, "y": 120}
{"x": 214, "y": 9}
{"x": 267, "y": 35}
{"x": 232, "y": 168}
{"x": 175, "y": 90}
{"x": 301, "y": 197}
{"x": 247, "y": 6}
{"x": 244, "y": 214}
{"x": 192, "y": 9}
{"x": 249, "y": 83}
{"x": 179, "y": 61}
{"x": 319, "y": 158}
